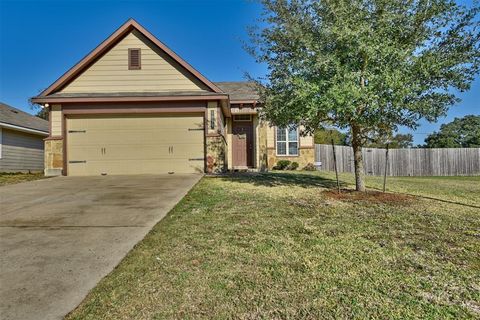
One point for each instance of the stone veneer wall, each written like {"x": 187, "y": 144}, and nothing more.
{"x": 216, "y": 154}
{"x": 306, "y": 156}
{"x": 53, "y": 157}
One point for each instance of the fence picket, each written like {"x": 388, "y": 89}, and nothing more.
{"x": 404, "y": 162}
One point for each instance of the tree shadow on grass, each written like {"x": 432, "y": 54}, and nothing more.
{"x": 279, "y": 179}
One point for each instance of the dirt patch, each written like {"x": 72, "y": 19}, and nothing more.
{"x": 369, "y": 196}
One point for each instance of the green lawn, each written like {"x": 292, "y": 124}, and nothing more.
{"x": 11, "y": 178}
{"x": 277, "y": 246}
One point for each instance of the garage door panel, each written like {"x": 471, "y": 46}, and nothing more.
{"x": 135, "y": 144}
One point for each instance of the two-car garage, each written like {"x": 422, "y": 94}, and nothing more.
{"x": 134, "y": 144}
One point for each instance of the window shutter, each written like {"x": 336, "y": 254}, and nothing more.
{"x": 134, "y": 61}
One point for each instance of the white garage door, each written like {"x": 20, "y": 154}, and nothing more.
{"x": 134, "y": 144}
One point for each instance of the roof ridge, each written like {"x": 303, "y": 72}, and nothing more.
{"x": 107, "y": 44}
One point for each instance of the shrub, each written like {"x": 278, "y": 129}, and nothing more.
{"x": 282, "y": 164}
{"x": 309, "y": 167}
{"x": 293, "y": 166}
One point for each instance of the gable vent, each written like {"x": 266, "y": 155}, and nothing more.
{"x": 134, "y": 59}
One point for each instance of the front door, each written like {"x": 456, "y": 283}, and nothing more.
{"x": 242, "y": 144}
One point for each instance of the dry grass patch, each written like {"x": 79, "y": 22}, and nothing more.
{"x": 17, "y": 177}
{"x": 278, "y": 246}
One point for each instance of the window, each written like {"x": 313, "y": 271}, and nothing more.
{"x": 242, "y": 117}
{"x": 212, "y": 119}
{"x": 134, "y": 59}
{"x": 287, "y": 141}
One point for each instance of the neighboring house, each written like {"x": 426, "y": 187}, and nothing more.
{"x": 133, "y": 106}
{"x": 21, "y": 140}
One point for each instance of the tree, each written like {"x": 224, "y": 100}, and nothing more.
{"x": 397, "y": 141}
{"x": 460, "y": 133}
{"x": 42, "y": 113}
{"x": 325, "y": 136}
{"x": 367, "y": 66}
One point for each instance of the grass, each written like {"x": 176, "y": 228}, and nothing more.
{"x": 17, "y": 177}
{"x": 278, "y": 246}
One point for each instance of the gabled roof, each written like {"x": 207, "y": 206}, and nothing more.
{"x": 15, "y": 117}
{"x": 106, "y": 45}
{"x": 243, "y": 91}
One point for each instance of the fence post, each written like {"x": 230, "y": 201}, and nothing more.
{"x": 335, "y": 163}
{"x": 386, "y": 168}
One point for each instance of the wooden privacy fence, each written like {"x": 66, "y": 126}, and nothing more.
{"x": 403, "y": 162}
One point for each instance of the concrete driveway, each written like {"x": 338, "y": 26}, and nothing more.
{"x": 60, "y": 236}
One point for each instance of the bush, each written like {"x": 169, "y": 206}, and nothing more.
{"x": 282, "y": 165}
{"x": 309, "y": 167}
{"x": 293, "y": 166}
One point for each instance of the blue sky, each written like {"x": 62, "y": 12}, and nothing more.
{"x": 40, "y": 40}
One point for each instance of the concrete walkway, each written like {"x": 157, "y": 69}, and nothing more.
{"x": 60, "y": 236}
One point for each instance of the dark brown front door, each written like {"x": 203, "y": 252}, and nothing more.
{"x": 242, "y": 144}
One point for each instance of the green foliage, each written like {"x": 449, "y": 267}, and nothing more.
{"x": 368, "y": 66}
{"x": 397, "y": 141}
{"x": 460, "y": 133}
{"x": 325, "y": 136}
{"x": 282, "y": 165}
{"x": 293, "y": 166}
{"x": 43, "y": 113}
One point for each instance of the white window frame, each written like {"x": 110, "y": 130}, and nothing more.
{"x": 287, "y": 141}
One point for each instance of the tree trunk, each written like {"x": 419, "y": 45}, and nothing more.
{"x": 358, "y": 159}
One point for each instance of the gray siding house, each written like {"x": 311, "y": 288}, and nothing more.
{"x": 21, "y": 140}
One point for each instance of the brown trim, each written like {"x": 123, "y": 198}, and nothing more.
{"x": 205, "y": 130}
{"x": 130, "y": 67}
{"x": 53, "y": 138}
{"x": 254, "y": 102}
{"x": 55, "y": 100}
{"x": 64, "y": 147}
{"x": 214, "y": 135}
{"x": 133, "y": 110}
{"x": 49, "y": 121}
{"x": 110, "y": 42}
{"x": 306, "y": 147}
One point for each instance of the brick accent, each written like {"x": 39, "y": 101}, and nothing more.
{"x": 306, "y": 156}
{"x": 216, "y": 154}
{"x": 53, "y": 157}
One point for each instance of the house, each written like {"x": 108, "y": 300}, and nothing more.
{"x": 21, "y": 140}
{"x": 133, "y": 106}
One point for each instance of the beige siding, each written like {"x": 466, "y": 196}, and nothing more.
{"x": 21, "y": 151}
{"x": 56, "y": 120}
{"x": 158, "y": 71}
{"x": 270, "y": 137}
{"x": 306, "y": 141}
{"x": 135, "y": 144}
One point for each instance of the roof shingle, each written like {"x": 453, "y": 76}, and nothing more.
{"x": 14, "y": 116}
{"x": 239, "y": 90}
